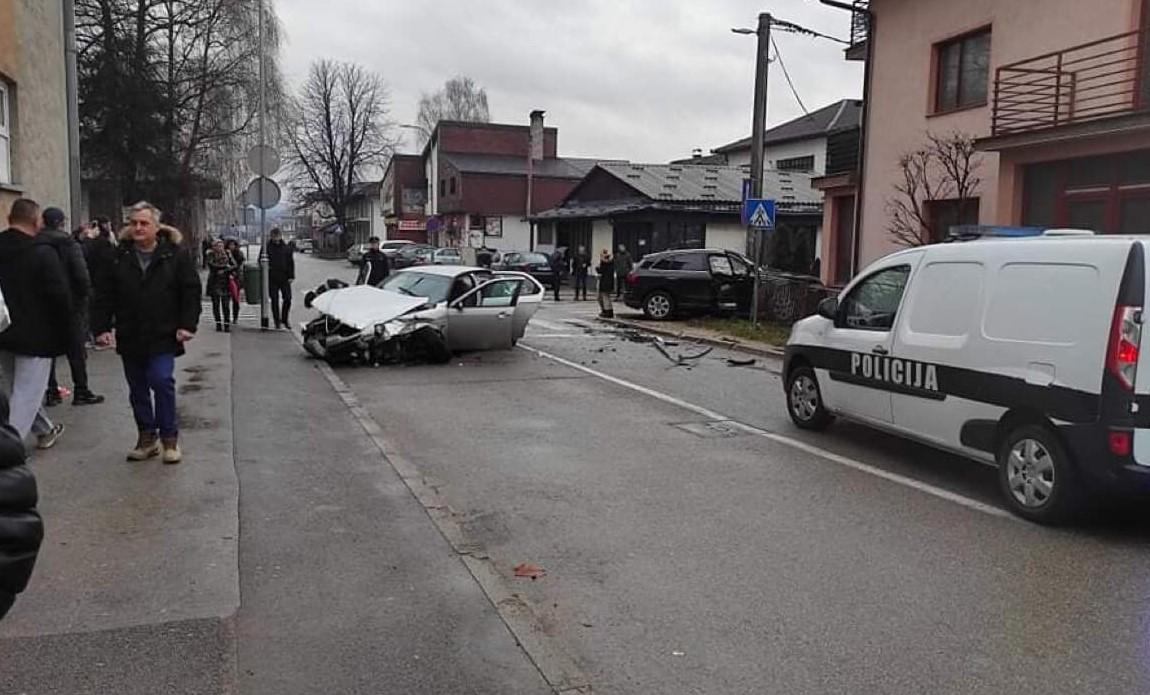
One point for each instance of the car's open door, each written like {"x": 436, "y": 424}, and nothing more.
{"x": 484, "y": 318}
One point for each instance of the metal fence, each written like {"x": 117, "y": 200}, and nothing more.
{"x": 788, "y": 297}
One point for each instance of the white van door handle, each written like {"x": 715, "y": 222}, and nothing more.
{"x": 880, "y": 350}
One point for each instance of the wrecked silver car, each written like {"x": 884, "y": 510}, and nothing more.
{"x": 422, "y": 314}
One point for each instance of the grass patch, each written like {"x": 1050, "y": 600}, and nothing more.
{"x": 766, "y": 332}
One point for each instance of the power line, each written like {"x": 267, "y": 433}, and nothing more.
{"x": 786, "y": 74}
{"x": 792, "y": 28}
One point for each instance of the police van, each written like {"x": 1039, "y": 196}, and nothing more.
{"x": 1022, "y": 351}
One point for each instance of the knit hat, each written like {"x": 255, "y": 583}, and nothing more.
{"x": 53, "y": 218}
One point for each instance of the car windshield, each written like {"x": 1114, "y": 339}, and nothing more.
{"x": 434, "y": 287}
{"x": 533, "y": 258}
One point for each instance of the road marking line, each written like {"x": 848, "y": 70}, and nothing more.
{"x": 547, "y": 324}
{"x": 783, "y": 439}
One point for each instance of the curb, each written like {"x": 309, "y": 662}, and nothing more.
{"x": 776, "y": 353}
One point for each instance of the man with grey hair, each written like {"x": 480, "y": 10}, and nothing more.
{"x": 151, "y": 298}
{"x": 39, "y": 302}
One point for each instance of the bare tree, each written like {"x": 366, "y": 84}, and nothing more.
{"x": 945, "y": 169}
{"x": 168, "y": 94}
{"x": 339, "y": 131}
{"x": 460, "y": 99}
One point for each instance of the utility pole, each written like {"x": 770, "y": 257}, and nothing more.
{"x": 71, "y": 86}
{"x": 263, "y": 212}
{"x": 758, "y": 128}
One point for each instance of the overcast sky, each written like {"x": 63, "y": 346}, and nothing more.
{"x": 644, "y": 80}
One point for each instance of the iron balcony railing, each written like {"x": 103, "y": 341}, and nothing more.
{"x": 1104, "y": 78}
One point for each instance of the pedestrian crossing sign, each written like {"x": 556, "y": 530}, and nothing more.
{"x": 759, "y": 213}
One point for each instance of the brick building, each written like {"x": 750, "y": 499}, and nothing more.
{"x": 478, "y": 176}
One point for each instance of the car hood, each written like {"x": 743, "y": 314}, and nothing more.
{"x": 364, "y": 306}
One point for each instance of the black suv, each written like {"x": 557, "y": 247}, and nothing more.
{"x": 686, "y": 281}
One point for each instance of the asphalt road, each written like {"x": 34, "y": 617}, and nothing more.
{"x": 694, "y": 542}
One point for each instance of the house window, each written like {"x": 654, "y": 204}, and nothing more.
{"x": 796, "y": 164}
{"x": 442, "y": 187}
{"x": 477, "y": 223}
{"x": 963, "y": 71}
{"x": 5, "y": 134}
{"x": 452, "y": 185}
{"x": 945, "y": 214}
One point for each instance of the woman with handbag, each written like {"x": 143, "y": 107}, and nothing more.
{"x": 221, "y": 276}
{"x": 236, "y": 283}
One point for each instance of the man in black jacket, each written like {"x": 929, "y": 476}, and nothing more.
{"x": 21, "y": 530}
{"x": 581, "y": 263}
{"x": 39, "y": 301}
{"x": 151, "y": 298}
{"x": 281, "y": 271}
{"x": 72, "y": 256}
{"x": 376, "y": 267}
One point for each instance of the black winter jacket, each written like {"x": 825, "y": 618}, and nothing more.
{"x": 21, "y": 529}
{"x": 281, "y": 262}
{"x": 39, "y": 300}
{"x": 72, "y": 256}
{"x": 146, "y": 309}
{"x": 606, "y": 272}
{"x": 100, "y": 254}
{"x": 375, "y": 268}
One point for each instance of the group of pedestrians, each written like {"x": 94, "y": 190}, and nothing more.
{"x": 224, "y": 262}
{"x": 141, "y": 295}
{"x": 612, "y": 273}
{"x": 64, "y": 291}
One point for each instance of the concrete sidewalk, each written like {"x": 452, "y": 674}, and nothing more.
{"x": 340, "y": 582}
{"x": 137, "y": 578}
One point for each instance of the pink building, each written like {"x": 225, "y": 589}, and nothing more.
{"x": 1055, "y": 92}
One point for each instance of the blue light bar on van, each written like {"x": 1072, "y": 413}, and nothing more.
{"x": 964, "y": 232}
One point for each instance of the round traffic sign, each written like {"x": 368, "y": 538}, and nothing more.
{"x": 263, "y": 193}
{"x": 263, "y": 160}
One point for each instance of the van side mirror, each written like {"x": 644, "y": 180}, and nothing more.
{"x": 829, "y": 308}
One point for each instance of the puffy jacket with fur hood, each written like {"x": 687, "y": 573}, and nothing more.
{"x": 147, "y": 308}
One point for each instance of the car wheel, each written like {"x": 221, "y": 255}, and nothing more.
{"x": 805, "y": 400}
{"x": 1038, "y": 477}
{"x": 659, "y": 306}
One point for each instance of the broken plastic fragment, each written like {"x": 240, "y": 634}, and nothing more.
{"x": 529, "y": 570}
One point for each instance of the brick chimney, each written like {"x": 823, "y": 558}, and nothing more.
{"x": 536, "y": 137}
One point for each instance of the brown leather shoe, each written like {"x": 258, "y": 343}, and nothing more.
{"x": 172, "y": 453}
{"x": 147, "y": 446}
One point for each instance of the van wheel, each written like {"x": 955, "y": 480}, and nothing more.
{"x": 805, "y": 400}
{"x": 659, "y": 306}
{"x": 1037, "y": 476}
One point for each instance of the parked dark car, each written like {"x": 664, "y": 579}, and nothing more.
{"x": 536, "y": 265}
{"x": 690, "y": 281}
{"x": 413, "y": 254}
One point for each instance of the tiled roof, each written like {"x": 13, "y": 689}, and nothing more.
{"x": 560, "y": 168}
{"x": 840, "y": 115}
{"x": 711, "y": 184}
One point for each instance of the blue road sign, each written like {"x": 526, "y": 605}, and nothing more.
{"x": 759, "y": 213}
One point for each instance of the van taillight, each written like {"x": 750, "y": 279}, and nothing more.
{"x": 632, "y": 278}
{"x": 1125, "y": 337}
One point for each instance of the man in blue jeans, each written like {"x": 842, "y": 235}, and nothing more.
{"x": 150, "y": 297}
